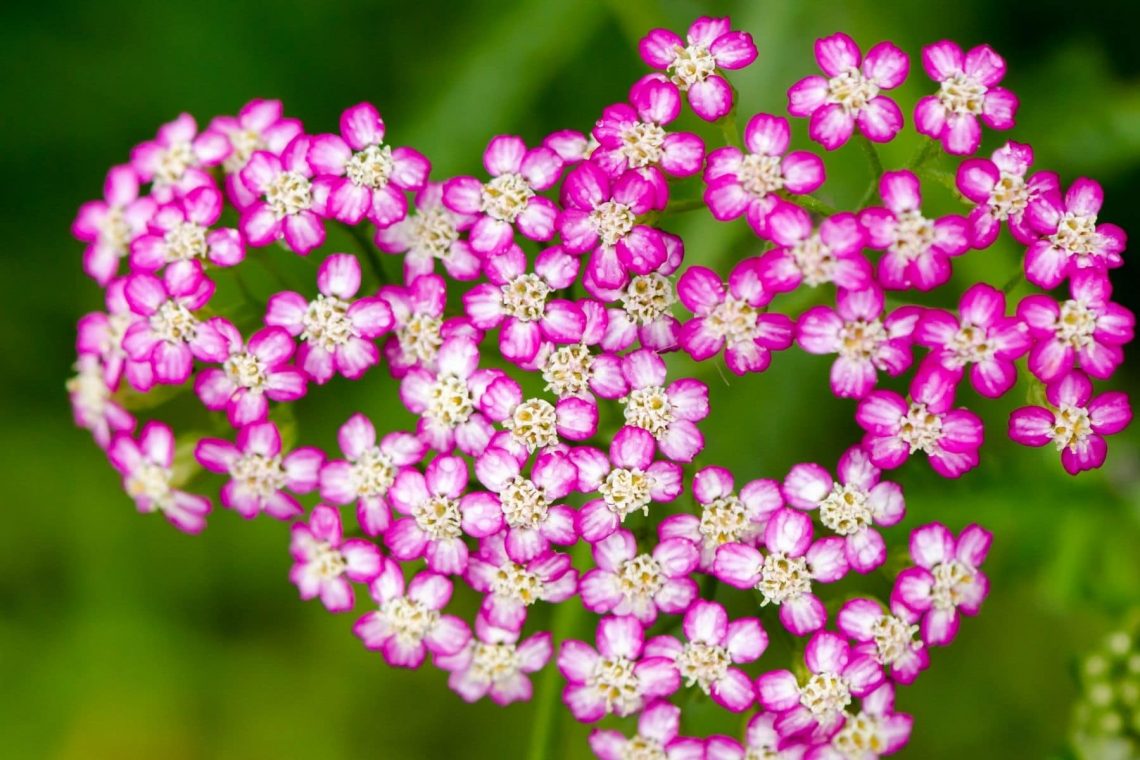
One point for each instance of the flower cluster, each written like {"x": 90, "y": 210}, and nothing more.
{"x": 550, "y": 455}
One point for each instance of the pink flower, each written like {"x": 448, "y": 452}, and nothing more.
{"x": 174, "y": 162}
{"x": 336, "y": 332}
{"x": 511, "y": 587}
{"x": 324, "y": 562}
{"x": 1077, "y": 423}
{"x": 815, "y": 709}
{"x": 495, "y": 663}
{"x": 259, "y": 473}
{"x": 694, "y": 63}
{"x": 850, "y": 95}
{"x": 1073, "y": 240}
{"x": 410, "y": 620}
{"x": 866, "y": 343}
{"x": 714, "y": 646}
{"x": 251, "y": 375}
{"x": 832, "y": 254}
{"x": 439, "y": 513}
{"x": 100, "y": 334}
{"x": 658, "y": 727}
{"x": 571, "y": 145}
{"x": 616, "y": 677}
{"x": 669, "y": 413}
{"x": 1003, "y": 193}
{"x": 733, "y": 320}
{"x": 444, "y": 398}
{"x": 633, "y": 136}
{"x": 645, "y": 315}
{"x": 368, "y": 470}
{"x": 784, "y": 576}
{"x": 259, "y": 125}
{"x": 725, "y": 517}
{"x": 419, "y": 327}
{"x": 534, "y": 423}
{"x": 180, "y": 230}
{"x": 531, "y": 517}
{"x": 628, "y": 481}
{"x": 889, "y": 637}
{"x": 1088, "y": 329}
{"x": 287, "y": 205}
{"x": 574, "y": 370}
{"x": 946, "y": 580}
{"x": 760, "y": 740}
{"x": 520, "y": 303}
{"x": 917, "y": 249}
{"x": 509, "y": 198}
{"x": 108, "y": 226}
{"x": 431, "y": 234}
{"x": 601, "y": 215}
{"x": 897, "y": 427}
{"x": 92, "y": 403}
{"x": 876, "y": 730}
{"x": 850, "y": 506}
{"x": 627, "y": 583}
{"x": 967, "y": 90}
{"x": 365, "y": 177}
{"x": 747, "y": 183}
{"x": 982, "y": 336}
{"x": 148, "y": 477}
{"x": 170, "y": 337}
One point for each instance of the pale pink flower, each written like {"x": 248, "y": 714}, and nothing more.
{"x": 645, "y": 314}
{"x": 495, "y": 663}
{"x": 968, "y": 90}
{"x": 175, "y": 161}
{"x": 760, "y": 741}
{"x": 531, "y": 424}
{"x": 92, "y": 402}
{"x": 627, "y": 583}
{"x": 669, "y": 413}
{"x": 888, "y": 636}
{"x": 1003, "y": 193}
{"x": 876, "y": 730}
{"x": 658, "y": 727}
{"x": 147, "y": 467}
{"x": 510, "y": 587}
{"x": 109, "y": 225}
{"x": 833, "y": 254}
{"x": 430, "y": 233}
{"x": 419, "y": 327}
{"x": 325, "y": 564}
{"x": 100, "y": 334}
{"x": 287, "y": 205}
{"x": 259, "y": 125}
{"x": 633, "y": 135}
{"x": 1072, "y": 238}
{"x": 444, "y": 398}
{"x": 180, "y": 230}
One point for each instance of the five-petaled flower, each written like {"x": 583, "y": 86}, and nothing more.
{"x": 326, "y": 564}
{"x": 147, "y": 467}
{"x": 967, "y": 91}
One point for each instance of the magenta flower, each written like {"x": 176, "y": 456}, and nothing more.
{"x": 368, "y": 470}
{"x": 496, "y": 664}
{"x": 1073, "y": 240}
{"x": 917, "y": 250}
{"x": 629, "y": 480}
{"x": 834, "y": 253}
{"x": 967, "y": 91}
{"x": 419, "y": 328}
{"x": 1077, "y": 423}
{"x": 850, "y": 95}
{"x": 946, "y": 581}
{"x": 336, "y": 332}
{"x": 850, "y": 506}
{"x": 695, "y": 63}
{"x": 175, "y": 161}
{"x": 784, "y": 576}
{"x": 760, "y": 741}
{"x": 814, "y": 710}
{"x": 439, "y": 513}
{"x": 511, "y": 587}
{"x": 1088, "y": 329}
{"x": 251, "y": 375}
{"x": 324, "y": 562}
{"x": 531, "y": 519}
{"x": 444, "y": 398}
{"x": 876, "y": 730}
{"x": 147, "y": 467}
{"x": 889, "y": 637}
{"x": 108, "y": 226}
{"x": 259, "y": 125}
{"x": 100, "y": 334}
{"x": 725, "y": 517}
{"x": 601, "y": 215}
{"x": 287, "y": 205}
{"x": 1003, "y": 193}
{"x": 431, "y": 234}
{"x": 747, "y": 184}
{"x": 865, "y": 341}
{"x": 509, "y": 198}
{"x": 573, "y": 370}
{"x": 169, "y": 337}
{"x": 733, "y": 320}
{"x": 714, "y": 646}
{"x": 982, "y": 336}
{"x": 633, "y": 135}
{"x": 259, "y": 473}
{"x": 669, "y": 413}
{"x": 658, "y": 727}
{"x": 365, "y": 177}
{"x": 520, "y": 304}
{"x": 645, "y": 315}
{"x": 534, "y": 423}
{"x": 180, "y": 230}
{"x": 410, "y": 622}
{"x": 897, "y": 427}
{"x": 616, "y": 678}
{"x": 627, "y": 583}
{"x": 92, "y": 403}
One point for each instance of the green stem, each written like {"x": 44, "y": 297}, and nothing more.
{"x": 876, "y": 164}
{"x": 809, "y": 203}
{"x": 730, "y": 130}
{"x": 683, "y": 205}
{"x": 929, "y": 149}
{"x": 1013, "y": 282}
{"x": 369, "y": 251}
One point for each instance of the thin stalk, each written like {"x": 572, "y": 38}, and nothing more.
{"x": 1013, "y": 281}
{"x": 876, "y": 164}
{"x": 730, "y": 130}
{"x": 809, "y": 203}
{"x": 369, "y": 251}
{"x": 683, "y": 205}
{"x": 930, "y": 148}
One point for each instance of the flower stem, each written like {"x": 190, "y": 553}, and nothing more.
{"x": 730, "y": 130}
{"x": 929, "y": 149}
{"x": 809, "y": 203}
{"x": 369, "y": 251}
{"x": 876, "y": 164}
{"x": 1014, "y": 281}
{"x": 683, "y": 205}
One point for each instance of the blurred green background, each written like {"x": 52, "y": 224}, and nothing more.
{"x": 120, "y": 637}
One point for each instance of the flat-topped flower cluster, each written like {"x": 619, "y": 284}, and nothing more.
{"x": 556, "y": 263}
